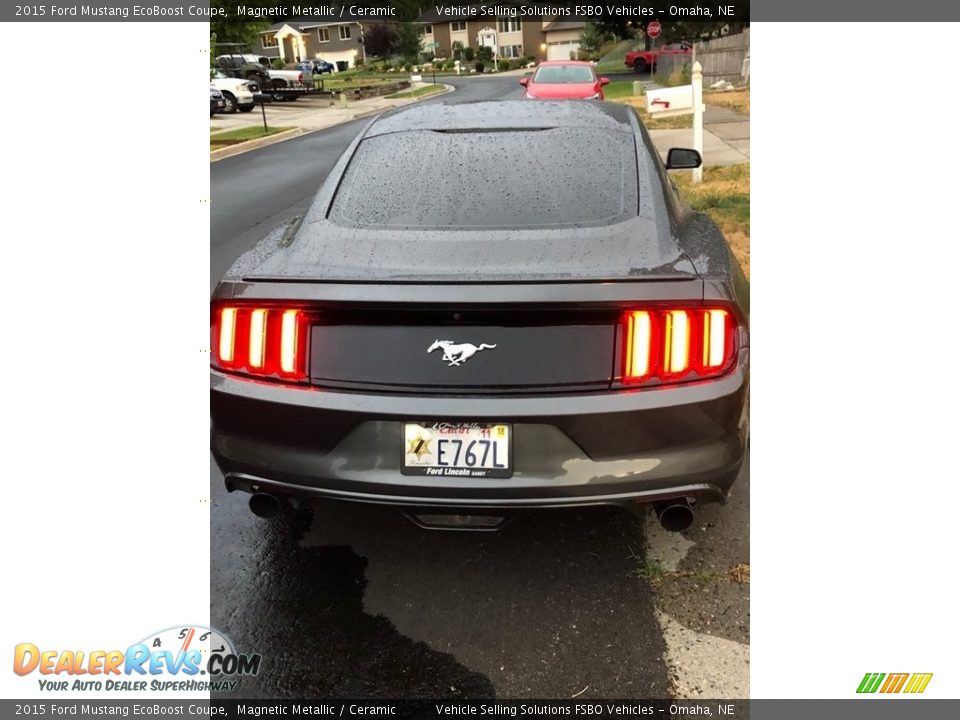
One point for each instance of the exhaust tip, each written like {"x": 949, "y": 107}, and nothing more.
{"x": 265, "y": 506}
{"x": 675, "y": 516}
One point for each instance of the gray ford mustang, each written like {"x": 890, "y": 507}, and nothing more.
{"x": 487, "y": 307}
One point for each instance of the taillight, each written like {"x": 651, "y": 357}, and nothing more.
{"x": 670, "y": 344}
{"x": 261, "y": 340}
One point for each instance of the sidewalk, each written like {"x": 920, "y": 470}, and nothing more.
{"x": 726, "y": 137}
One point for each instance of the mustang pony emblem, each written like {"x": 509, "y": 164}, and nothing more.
{"x": 458, "y": 353}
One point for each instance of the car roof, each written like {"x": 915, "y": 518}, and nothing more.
{"x": 565, "y": 62}
{"x": 489, "y": 116}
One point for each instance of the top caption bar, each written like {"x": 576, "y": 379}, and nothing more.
{"x": 376, "y": 11}
{"x": 272, "y": 11}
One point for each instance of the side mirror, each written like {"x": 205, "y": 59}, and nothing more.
{"x": 683, "y": 159}
{"x": 604, "y": 81}
{"x": 524, "y": 81}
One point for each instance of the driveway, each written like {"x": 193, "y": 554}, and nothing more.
{"x": 361, "y": 603}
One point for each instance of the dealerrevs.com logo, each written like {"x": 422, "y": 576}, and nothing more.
{"x": 911, "y": 683}
{"x": 182, "y": 659}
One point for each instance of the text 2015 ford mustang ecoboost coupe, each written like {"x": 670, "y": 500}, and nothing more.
{"x": 488, "y": 306}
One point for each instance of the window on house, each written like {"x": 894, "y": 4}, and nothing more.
{"x": 428, "y": 29}
{"x": 458, "y": 27}
{"x": 344, "y": 32}
{"x": 511, "y": 51}
{"x": 268, "y": 40}
{"x": 509, "y": 26}
{"x": 323, "y": 35}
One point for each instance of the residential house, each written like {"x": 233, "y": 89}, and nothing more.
{"x": 292, "y": 41}
{"x": 562, "y": 39}
{"x": 540, "y": 39}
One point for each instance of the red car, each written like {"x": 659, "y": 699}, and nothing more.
{"x": 564, "y": 80}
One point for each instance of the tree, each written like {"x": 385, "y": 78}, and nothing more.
{"x": 380, "y": 40}
{"x": 592, "y": 37}
{"x": 408, "y": 40}
{"x": 623, "y": 29}
{"x": 233, "y": 28}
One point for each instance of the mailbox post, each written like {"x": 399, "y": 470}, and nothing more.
{"x": 697, "y": 78}
{"x": 684, "y": 100}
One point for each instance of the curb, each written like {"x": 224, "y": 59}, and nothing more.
{"x": 407, "y": 101}
{"x": 253, "y": 144}
{"x": 296, "y": 132}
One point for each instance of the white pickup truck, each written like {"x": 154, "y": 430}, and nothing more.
{"x": 237, "y": 93}
{"x": 284, "y": 84}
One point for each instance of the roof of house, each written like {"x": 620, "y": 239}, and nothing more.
{"x": 562, "y": 25}
{"x": 307, "y": 24}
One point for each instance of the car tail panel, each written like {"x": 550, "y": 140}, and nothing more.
{"x": 501, "y": 351}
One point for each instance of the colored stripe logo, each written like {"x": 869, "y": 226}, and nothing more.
{"x": 913, "y": 683}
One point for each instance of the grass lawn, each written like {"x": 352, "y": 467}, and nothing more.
{"x": 235, "y": 137}
{"x": 738, "y": 100}
{"x": 418, "y": 92}
{"x": 337, "y": 82}
{"x": 618, "y": 89}
{"x": 724, "y": 195}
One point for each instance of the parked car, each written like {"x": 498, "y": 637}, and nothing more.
{"x": 237, "y": 94}
{"x": 564, "y": 80}
{"x": 319, "y": 66}
{"x": 217, "y": 102}
{"x": 281, "y": 84}
{"x": 245, "y": 67}
{"x": 290, "y": 84}
{"x": 497, "y": 345}
{"x": 643, "y": 60}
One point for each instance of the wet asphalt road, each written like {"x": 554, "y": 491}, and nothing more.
{"x": 361, "y": 603}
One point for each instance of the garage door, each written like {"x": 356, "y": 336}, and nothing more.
{"x": 561, "y": 51}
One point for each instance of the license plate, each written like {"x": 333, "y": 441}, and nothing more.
{"x": 469, "y": 450}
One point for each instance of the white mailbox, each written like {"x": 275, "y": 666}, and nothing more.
{"x": 665, "y": 102}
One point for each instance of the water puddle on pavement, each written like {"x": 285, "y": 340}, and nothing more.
{"x": 368, "y": 605}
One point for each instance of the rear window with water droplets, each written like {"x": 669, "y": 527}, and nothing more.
{"x": 556, "y": 177}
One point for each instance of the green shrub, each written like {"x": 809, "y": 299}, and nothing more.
{"x": 468, "y": 54}
{"x": 478, "y": 66}
{"x": 503, "y": 65}
{"x": 277, "y": 64}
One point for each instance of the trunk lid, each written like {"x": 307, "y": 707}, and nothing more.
{"x": 321, "y": 251}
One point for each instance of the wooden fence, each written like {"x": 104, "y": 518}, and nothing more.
{"x": 726, "y": 58}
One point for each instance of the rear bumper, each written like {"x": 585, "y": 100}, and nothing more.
{"x": 606, "y": 448}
